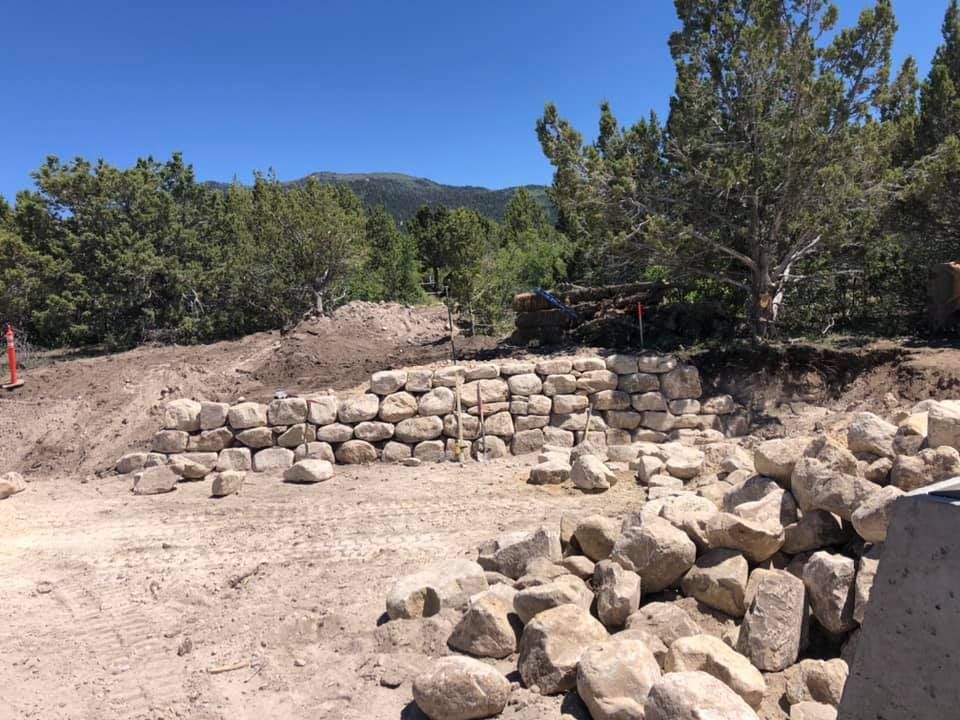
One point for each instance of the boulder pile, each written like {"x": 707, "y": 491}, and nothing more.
{"x": 736, "y": 590}
{"x": 415, "y": 415}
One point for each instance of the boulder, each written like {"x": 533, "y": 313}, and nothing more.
{"x": 776, "y": 508}
{"x": 818, "y": 487}
{"x": 131, "y": 462}
{"x": 694, "y": 696}
{"x": 618, "y": 593}
{"x": 776, "y": 458}
{"x": 681, "y": 383}
{"x": 647, "y": 466}
{"x": 287, "y": 411}
{"x": 614, "y": 678}
{"x": 648, "y": 402}
{"x": 557, "y": 437}
{"x": 309, "y": 471}
{"x": 928, "y": 466}
{"x": 315, "y": 451}
{"x": 387, "y": 382}
{"x": 657, "y": 551}
{"x": 170, "y": 441}
{"x": 815, "y": 530}
{"x": 659, "y": 421}
{"x": 559, "y": 385}
{"x": 551, "y": 472}
{"x": 598, "y": 381}
{"x": 639, "y": 383}
{"x": 690, "y": 513}
{"x": 579, "y": 565}
{"x": 656, "y": 364}
{"x": 227, "y": 482}
{"x": 684, "y": 462}
{"x": 526, "y": 441}
{"x": 684, "y": 407}
{"x": 491, "y": 391}
{"x": 943, "y": 425}
{"x": 430, "y": 451}
{"x": 334, "y": 433}
{"x": 525, "y": 384}
{"x": 758, "y": 541}
{"x": 372, "y": 431}
{"x": 774, "y": 622}
{"x": 247, "y": 415}
{"x": 712, "y": 655}
{"x": 439, "y": 401}
{"x": 539, "y": 405}
{"x": 829, "y": 579}
{"x": 589, "y": 473}
{"x": 486, "y": 371}
{"x": 398, "y": 406}
{"x": 489, "y": 628}
{"x": 272, "y": 459}
{"x": 461, "y": 688}
{"x": 213, "y": 414}
{"x": 530, "y": 422}
{"x": 554, "y": 366}
{"x": 182, "y": 414}
{"x": 563, "y": 590}
{"x": 395, "y": 452}
{"x": 491, "y": 448}
{"x": 322, "y": 410}
{"x": 719, "y": 580}
{"x": 449, "y": 376}
{"x": 258, "y": 437}
{"x": 872, "y": 518}
{"x": 589, "y": 363}
{"x": 552, "y": 644}
{"x": 153, "y": 480}
{"x": 189, "y": 469}
{"x": 296, "y": 435}
{"x": 356, "y": 452}
{"x": 866, "y": 572}
{"x": 418, "y": 429}
{"x": 499, "y": 424}
{"x": 470, "y": 429}
{"x": 447, "y": 584}
{"x": 234, "y": 459}
{"x": 812, "y": 711}
{"x": 357, "y": 409}
{"x": 569, "y": 404}
{"x": 596, "y": 535}
{"x": 211, "y": 440}
{"x": 510, "y": 553}
{"x": 666, "y": 621}
{"x": 624, "y": 419}
{"x": 816, "y": 681}
{"x": 418, "y": 381}
{"x": 868, "y": 433}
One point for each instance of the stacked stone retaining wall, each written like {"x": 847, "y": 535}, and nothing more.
{"x": 413, "y": 414}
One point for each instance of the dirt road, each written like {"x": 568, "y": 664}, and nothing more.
{"x": 102, "y": 589}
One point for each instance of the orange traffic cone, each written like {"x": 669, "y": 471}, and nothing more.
{"x": 12, "y": 361}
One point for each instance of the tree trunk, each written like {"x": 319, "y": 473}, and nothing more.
{"x": 763, "y": 314}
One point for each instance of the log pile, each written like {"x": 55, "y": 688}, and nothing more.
{"x": 595, "y": 307}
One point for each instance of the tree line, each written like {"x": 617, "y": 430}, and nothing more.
{"x": 798, "y": 183}
{"x": 101, "y": 255}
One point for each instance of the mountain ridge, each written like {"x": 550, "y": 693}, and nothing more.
{"x": 402, "y": 195}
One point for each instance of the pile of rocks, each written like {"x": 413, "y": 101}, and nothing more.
{"x": 741, "y": 582}
{"x": 412, "y": 416}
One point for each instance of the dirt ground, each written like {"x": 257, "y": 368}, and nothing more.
{"x": 267, "y": 604}
{"x": 101, "y": 589}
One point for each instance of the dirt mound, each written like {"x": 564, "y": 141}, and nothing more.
{"x": 76, "y": 416}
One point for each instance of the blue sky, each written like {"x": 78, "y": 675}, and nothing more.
{"x": 448, "y": 90}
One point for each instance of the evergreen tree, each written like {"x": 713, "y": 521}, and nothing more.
{"x": 767, "y": 157}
